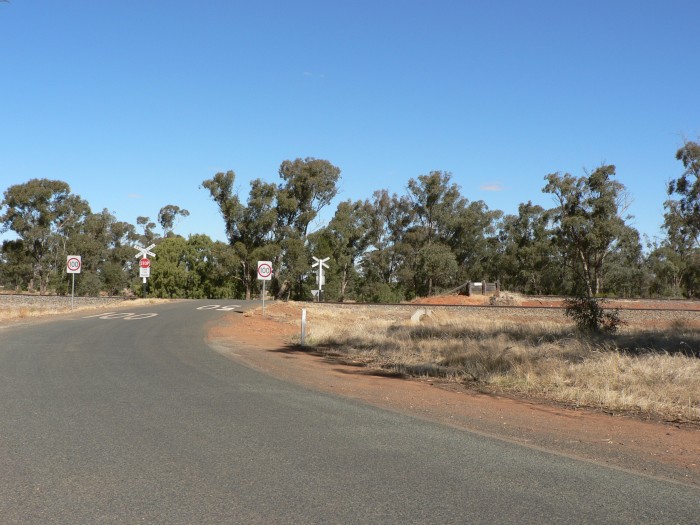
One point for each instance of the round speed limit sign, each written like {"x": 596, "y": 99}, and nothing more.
{"x": 73, "y": 264}
{"x": 264, "y": 270}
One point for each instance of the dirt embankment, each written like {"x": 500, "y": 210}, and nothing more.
{"x": 652, "y": 448}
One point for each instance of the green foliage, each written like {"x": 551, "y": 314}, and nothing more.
{"x": 380, "y": 293}
{"x": 687, "y": 189}
{"x": 388, "y": 248}
{"x": 588, "y": 225}
{"x": 43, "y": 213}
{"x": 16, "y": 265}
{"x": 346, "y": 240}
{"x": 590, "y": 315}
{"x": 529, "y": 261}
{"x": 309, "y": 185}
{"x": 168, "y": 215}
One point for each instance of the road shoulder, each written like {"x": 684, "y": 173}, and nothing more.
{"x": 651, "y": 448}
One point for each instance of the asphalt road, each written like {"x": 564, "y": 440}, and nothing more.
{"x": 133, "y": 419}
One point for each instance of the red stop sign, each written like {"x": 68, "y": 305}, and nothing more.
{"x": 144, "y": 263}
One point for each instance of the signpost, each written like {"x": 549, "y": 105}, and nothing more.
{"x": 144, "y": 263}
{"x": 320, "y": 278}
{"x": 73, "y": 265}
{"x": 264, "y": 275}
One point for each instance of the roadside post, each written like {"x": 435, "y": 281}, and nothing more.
{"x": 144, "y": 263}
{"x": 264, "y": 275}
{"x": 73, "y": 265}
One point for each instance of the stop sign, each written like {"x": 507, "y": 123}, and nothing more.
{"x": 144, "y": 263}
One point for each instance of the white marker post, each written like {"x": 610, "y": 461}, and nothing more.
{"x": 264, "y": 275}
{"x": 73, "y": 265}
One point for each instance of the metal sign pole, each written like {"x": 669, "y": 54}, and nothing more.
{"x": 72, "y": 293}
{"x": 263, "y": 298}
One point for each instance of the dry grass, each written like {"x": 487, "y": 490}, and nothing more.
{"x": 11, "y": 313}
{"x": 654, "y": 373}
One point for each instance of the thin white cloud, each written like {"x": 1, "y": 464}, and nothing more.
{"x": 492, "y": 186}
{"x": 135, "y": 196}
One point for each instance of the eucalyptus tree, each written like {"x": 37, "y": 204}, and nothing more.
{"x": 587, "y": 220}
{"x": 16, "y": 265}
{"x": 149, "y": 236}
{"x": 308, "y": 185}
{"x": 222, "y": 281}
{"x": 686, "y": 189}
{"x": 42, "y": 213}
{"x": 475, "y": 241}
{"x": 435, "y": 204}
{"x": 168, "y": 215}
{"x": 345, "y": 240}
{"x": 624, "y": 273}
{"x": 251, "y": 228}
{"x": 390, "y": 216}
{"x": 528, "y": 262}
{"x": 675, "y": 261}
{"x": 104, "y": 244}
{"x": 170, "y": 274}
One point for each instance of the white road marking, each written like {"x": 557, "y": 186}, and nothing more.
{"x": 127, "y": 316}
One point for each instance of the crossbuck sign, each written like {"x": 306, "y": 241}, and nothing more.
{"x": 320, "y": 264}
{"x": 144, "y": 251}
{"x": 144, "y": 263}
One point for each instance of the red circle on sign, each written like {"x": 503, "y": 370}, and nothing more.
{"x": 144, "y": 263}
{"x": 264, "y": 270}
{"x": 73, "y": 264}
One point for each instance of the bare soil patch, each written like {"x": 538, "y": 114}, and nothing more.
{"x": 670, "y": 451}
{"x": 558, "y": 302}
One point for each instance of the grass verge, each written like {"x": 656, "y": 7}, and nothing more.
{"x": 648, "y": 372}
{"x": 18, "y": 312}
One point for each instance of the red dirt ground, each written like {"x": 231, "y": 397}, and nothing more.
{"x": 633, "y": 304}
{"x": 652, "y": 448}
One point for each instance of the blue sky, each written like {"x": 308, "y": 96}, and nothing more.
{"x": 135, "y": 103}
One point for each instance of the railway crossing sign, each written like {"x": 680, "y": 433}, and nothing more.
{"x": 143, "y": 252}
{"x": 144, "y": 263}
{"x": 320, "y": 264}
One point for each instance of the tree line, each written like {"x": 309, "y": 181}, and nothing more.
{"x": 387, "y": 248}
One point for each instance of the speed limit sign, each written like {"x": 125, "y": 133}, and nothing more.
{"x": 264, "y": 270}
{"x": 73, "y": 264}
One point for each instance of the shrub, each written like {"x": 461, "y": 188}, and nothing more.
{"x": 590, "y": 316}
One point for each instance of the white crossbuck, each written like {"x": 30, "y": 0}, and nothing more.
{"x": 143, "y": 252}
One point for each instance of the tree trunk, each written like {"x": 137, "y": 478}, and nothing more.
{"x": 284, "y": 290}
{"x": 246, "y": 281}
{"x": 343, "y": 284}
